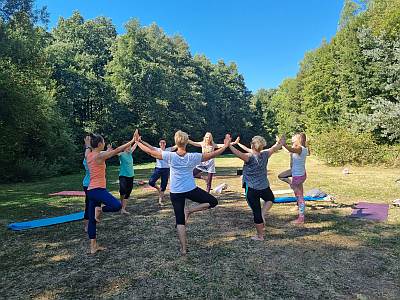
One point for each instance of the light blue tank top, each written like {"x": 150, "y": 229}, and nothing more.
{"x": 126, "y": 164}
{"x": 86, "y": 179}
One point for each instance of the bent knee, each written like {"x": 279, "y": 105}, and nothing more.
{"x": 117, "y": 206}
{"x": 213, "y": 202}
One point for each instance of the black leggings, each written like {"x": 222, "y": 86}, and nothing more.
{"x": 253, "y": 199}
{"x": 125, "y": 186}
{"x": 197, "y": 195}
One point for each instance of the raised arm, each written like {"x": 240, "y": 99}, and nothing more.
{"x": 243, "y": 156}
{"x": 232, "y": 143}
{"x": 134, "y": 147}
{"x": 208, "y": 156}
{"x": 196, "y": 144}
{"x": 104, "y": 155}
{"x": 148, "y": 150}
{"x": 289, "y": 148}
{"x": 248, "y": 150}
{"x": 88, "y": 149}
{"x": 275, "y": 148}
{"x": 148, "y": 145}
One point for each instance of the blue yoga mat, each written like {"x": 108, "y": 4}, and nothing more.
{"x": 46, "y": 222}
{"x": 293, "y": 199}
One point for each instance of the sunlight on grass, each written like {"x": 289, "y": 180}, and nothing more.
{"x": 142, "y": 257}
{"x": 60, "y": 257}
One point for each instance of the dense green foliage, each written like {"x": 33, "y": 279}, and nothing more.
{"x": 346, "y": 93}
{"x": 81, "y": 77}
{"x": 33, "y": 139}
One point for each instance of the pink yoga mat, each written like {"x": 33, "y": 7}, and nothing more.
{"x": 69, "y": 193}
{"x": 371, "y": 211}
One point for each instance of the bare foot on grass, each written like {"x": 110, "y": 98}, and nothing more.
{"x": 298, "y": 221}
{"x": 96, "y": 249}
{"x": 257, "y": 238}
{"x": 125, "y": 212}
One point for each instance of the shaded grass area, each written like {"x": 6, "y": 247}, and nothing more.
{"x": 332, "y": 256}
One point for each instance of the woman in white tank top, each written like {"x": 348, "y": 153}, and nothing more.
{"x": 298, "y": 154}
{"x": 207, "y": 146}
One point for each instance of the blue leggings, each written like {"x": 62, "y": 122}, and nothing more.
{"x": 160, "y": 172}
{"x": 96, "y": 198}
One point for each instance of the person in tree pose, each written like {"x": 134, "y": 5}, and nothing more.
{"x": 255, "y": 181}
{"x": 161, "y": 169}
{"x": 85, "y": 183}
{"x": 97, "y": 192}
{"x": 182, "y": 184}
{"x": 298, "y": 154}
{"x": 207, "y": 146}
{"x": 126, "y": 175}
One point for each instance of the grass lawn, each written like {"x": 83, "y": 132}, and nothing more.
{"x": 332, "y": 256}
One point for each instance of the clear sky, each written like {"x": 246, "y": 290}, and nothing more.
{"x": 266, "y": 38}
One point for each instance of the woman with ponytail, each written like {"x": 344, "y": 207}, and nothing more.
{"x": 97, "y": 192}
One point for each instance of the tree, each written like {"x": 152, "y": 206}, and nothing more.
{"x": 78, "y": 55}
{"x": 31, "y": 132}
{"x": 263, "y": 115}
{"x": 288, "y": 106}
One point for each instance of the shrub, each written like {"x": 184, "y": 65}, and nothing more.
{"x": 341, "y": 146}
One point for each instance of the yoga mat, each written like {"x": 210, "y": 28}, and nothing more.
{"x": 46, "y": 222}
{"x": 293, "y": 199}
{"x": 370, "y": 211}
{"x": 69, "y": 193}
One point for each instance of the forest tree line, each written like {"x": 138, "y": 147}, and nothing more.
{"x": 81, "y": 76}
{"x": 346, "y": 94}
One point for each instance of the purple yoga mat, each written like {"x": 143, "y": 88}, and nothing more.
{"x": 371, "y": 211}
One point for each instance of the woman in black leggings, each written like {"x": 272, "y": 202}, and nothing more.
{"x": 182, "y": 184}
{"x": 255, "y": 179}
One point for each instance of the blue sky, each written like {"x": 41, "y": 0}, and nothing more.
{"x": 266, "y": 38}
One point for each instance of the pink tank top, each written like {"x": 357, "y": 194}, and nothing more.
{"x": 97, "y": 172}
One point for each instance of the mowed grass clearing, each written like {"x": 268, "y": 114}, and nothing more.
{"x": 332, "y": 256}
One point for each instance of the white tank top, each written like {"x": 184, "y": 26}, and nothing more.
{"x": 299, "y": 162}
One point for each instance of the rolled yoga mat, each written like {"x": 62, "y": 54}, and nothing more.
{"x": 46, "y": 222}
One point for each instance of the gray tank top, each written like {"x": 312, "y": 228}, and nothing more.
{"x": 255, "y": 171}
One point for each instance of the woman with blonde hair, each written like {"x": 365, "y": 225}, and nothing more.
{"x": 255, "y": 179}
{"x": 207, "y": 146}
{"x": 298, "y": 154}
{"x": 182, "y": 185}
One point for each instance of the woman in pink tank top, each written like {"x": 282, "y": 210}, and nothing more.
{"x": 97, "y": 193}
